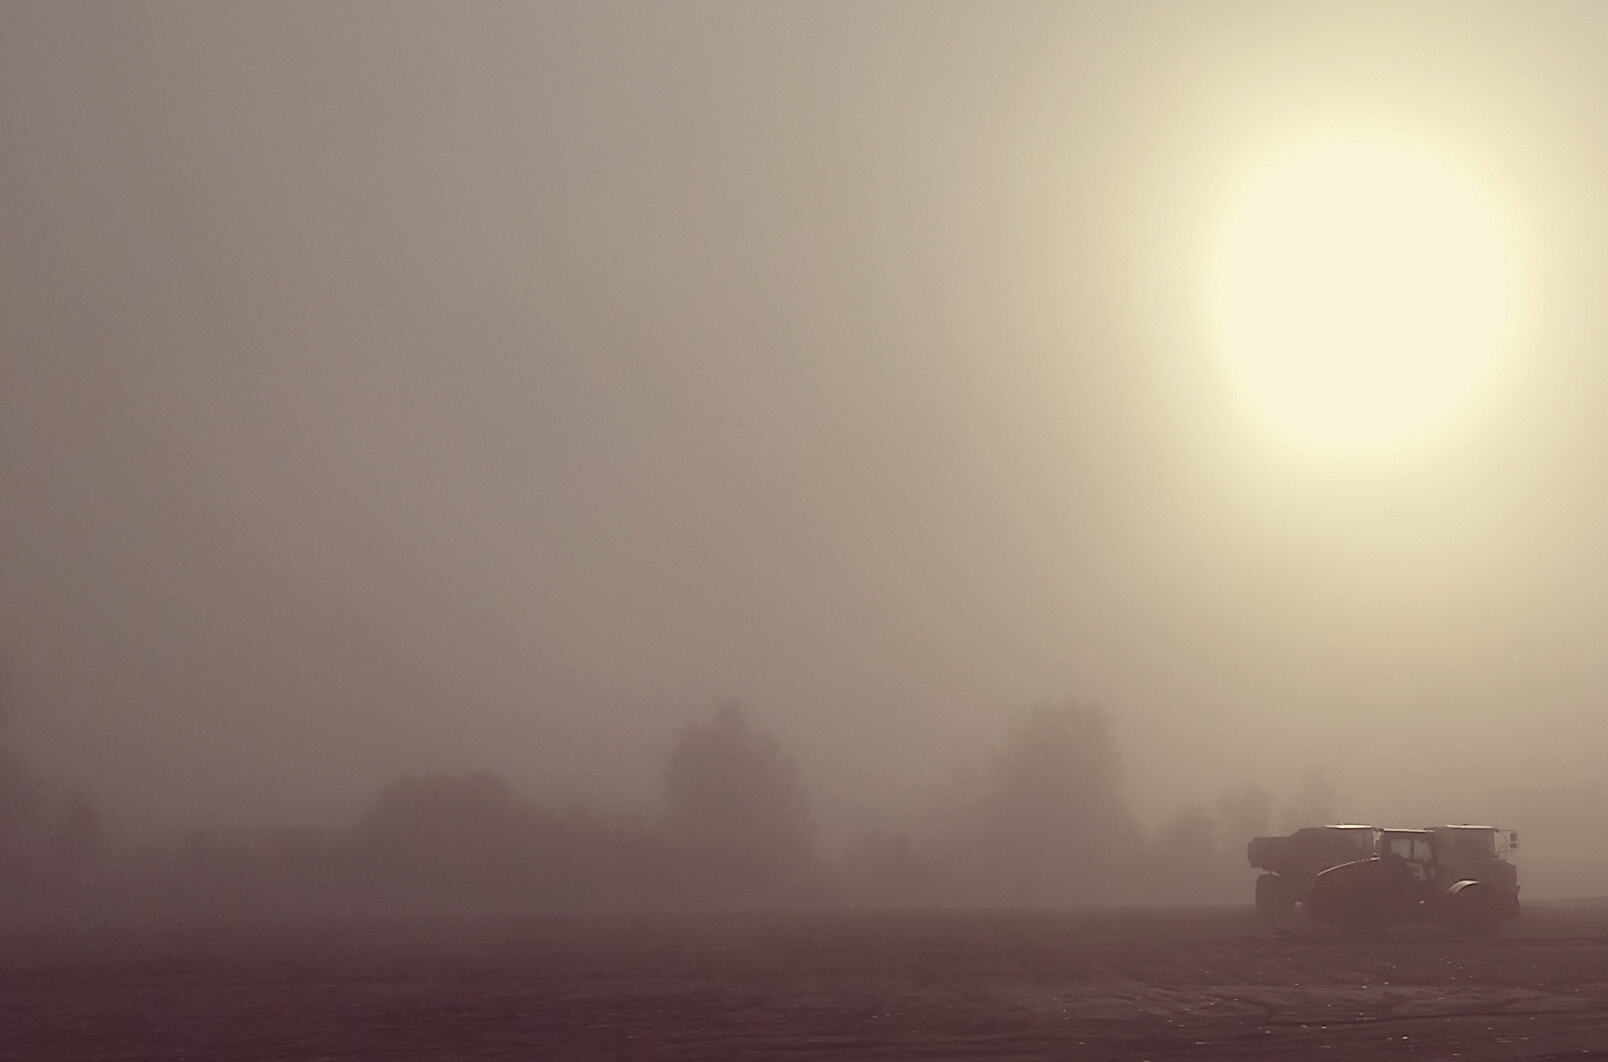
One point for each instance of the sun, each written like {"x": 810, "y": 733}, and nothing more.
{"x": 1361, "y": 291}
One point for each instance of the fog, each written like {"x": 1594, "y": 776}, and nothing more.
{"x": 484, "y": 394}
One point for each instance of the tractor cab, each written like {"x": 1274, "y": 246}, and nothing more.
{"x": 1473, "y": 844}
{"x": 1466, "y": 844}
{"x": 1477, "y": 853}
{"x": 1409, "y": 855}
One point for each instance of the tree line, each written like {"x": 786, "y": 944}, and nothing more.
{"x": 1040, "y": 819}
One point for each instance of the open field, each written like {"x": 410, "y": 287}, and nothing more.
{"x": 1130, "y": 984}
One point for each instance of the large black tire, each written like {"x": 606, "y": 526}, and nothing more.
{"x": 1274, "y": 899}
{"x": 1474, "y": 909}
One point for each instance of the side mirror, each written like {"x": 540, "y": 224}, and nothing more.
{"x": 1513, "y": 839}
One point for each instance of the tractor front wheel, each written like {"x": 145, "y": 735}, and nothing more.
{"x": 1273, "y": 899}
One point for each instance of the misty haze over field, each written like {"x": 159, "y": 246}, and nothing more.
{"x": 419, "y": 415}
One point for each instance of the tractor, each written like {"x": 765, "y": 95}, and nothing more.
{"x": 1294, "y": 862}
{"x": 1456, "y": 876}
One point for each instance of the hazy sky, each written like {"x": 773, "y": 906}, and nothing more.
{"x": 397, "y": 387}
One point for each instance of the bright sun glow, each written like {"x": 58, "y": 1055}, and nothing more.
{"x": 1361, "y": 291}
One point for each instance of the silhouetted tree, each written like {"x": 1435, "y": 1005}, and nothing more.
{"x": 735, "y": 816}
{"x": 76, "y": 861}
{"x": 18, "y": 799}
{"x": 56, "y": 863}
{"x": 21, "y": 799}
{"x": 1314, "y": 804}
{"x": 1186, "y": 864}
{"x": 1044, "y": 821}
{"x": 1243, "y": 812}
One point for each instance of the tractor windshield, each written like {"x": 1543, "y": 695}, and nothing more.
{"x": 1412, "y": 847}
{"x": 1469, "y": 845}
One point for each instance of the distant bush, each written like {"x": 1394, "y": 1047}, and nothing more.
{"x": 466, "y": 845}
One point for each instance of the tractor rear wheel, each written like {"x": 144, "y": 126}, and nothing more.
{"x": 1473, "y": 909}
{"x": 1273, "y": 898}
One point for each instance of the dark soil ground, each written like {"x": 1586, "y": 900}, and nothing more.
{"x": 1130, "y": 984}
